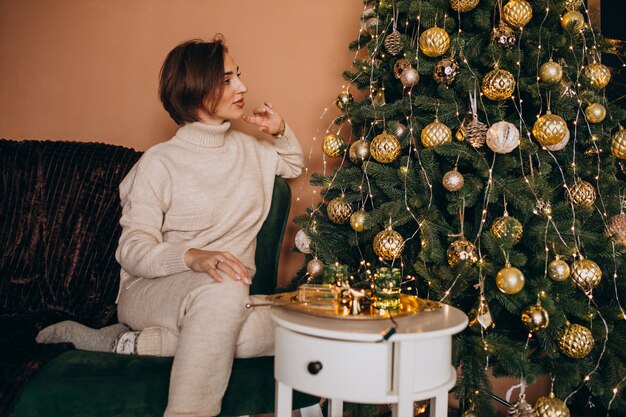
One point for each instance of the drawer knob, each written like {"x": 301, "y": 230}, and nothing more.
{"x": 314, "y": 367}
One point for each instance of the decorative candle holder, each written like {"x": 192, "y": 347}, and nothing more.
{"x": 386, "y": 294}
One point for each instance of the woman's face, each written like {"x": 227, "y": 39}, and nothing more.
{"x": 230, "y": 105}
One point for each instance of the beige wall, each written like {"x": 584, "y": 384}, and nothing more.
{"x": 87, "y": 69}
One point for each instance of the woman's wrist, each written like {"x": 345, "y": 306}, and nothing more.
{"x": 281, "y": 129}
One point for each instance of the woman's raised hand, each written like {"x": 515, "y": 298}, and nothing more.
{"x": 212, "y": 262}
{"x": 266, "y": 119}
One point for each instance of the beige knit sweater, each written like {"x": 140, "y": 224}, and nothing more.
{"x": 209, "y": 188}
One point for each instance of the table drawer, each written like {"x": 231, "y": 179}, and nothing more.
{"x": 355, "y": 371}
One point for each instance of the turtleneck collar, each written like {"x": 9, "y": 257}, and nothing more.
{"x": 204, "y": 135}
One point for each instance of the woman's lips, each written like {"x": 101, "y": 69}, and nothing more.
{"x": 240, "y": 103}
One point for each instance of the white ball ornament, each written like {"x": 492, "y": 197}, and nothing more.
{"x": 503, "y": 137}
{"x": 303, "y": 242}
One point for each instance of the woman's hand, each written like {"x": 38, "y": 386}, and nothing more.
{"x": 212, "y": 262}
{"x": 266, "y": 119}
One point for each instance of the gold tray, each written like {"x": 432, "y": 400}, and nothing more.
{"x": 409, "y": 304}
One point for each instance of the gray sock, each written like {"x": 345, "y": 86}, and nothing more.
{"x": 82, "y": 337}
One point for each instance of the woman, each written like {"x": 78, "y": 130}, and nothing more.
{"x": 192, "y": 207}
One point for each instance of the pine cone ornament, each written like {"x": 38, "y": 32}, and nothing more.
{"x": 522, "y": 409}
{"x": 617, "y": 228}
{"x": 392, "y": 43}
{"x": 339, "y": 210}
{"x": 551, "y": 406}
{"x": 577, "y": 341}
{"x": 388, "y": 244}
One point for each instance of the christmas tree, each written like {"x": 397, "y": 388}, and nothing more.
{"x": 477, "y": 151}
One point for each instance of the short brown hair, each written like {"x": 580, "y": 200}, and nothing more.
{"x": 192, "y": 77}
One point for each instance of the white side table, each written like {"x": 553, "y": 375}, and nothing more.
{"x": 348, "y": 360}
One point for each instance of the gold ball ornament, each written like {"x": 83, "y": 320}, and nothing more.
{"x": 385, "y": 148}
{"x": 388, "y": 244}
{"x": 446, "y": 71}
{"x": 508, "y": 229}
{"x": 562, "y": 144}
{"x": 498, "y": 85}
{"x": 392, "y": 43}
{"x": 517, "y": 13}
{"x": 339, "y": 210}
{"x": 359, "y": 151}
{"x": 409, "y": 77}
{"x": 463, "y": 6}
{"x": 503, "y": 36}
{"x": 595, "y": 113}
{"x": 303, "y": 242}
{"x": 503, "y": 137}
{"x": 586, "y": 274}
{"x": 558, "y": 270}
{"x": 618, "y": 143}
{"x": 617, "y": 228}
{"x": 535, "y": 317}
{"x": 461, "y": 250}
{"x": 357, "y": 220}
{"x": 434, "y": 42}
{"x": 551, "y": 72}
{"x": 550, "y": 129}
{"x": 510, "y": 280}
{"x": 550, "y": 406}
{"x": 597, "y": 74}
{"x": 333, "y": 145}
{"x": 453, "y": 180}
{"x": 314, "y": 267}
{"x": 582, "y": 194}
{"x": 577, "y": 341}
{"x": 435, "y": 134}
{"x": 400, "y": 66}
{"x": 344, "y": 99}
{"x": 575, "y": 18}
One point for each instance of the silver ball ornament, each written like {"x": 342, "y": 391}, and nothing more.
{"x": 314, "y": 267}
{"x": 359, "y": 151}
{"x": 410, "y": 77}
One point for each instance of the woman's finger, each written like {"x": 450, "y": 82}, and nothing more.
{"x": 237, "y": 265}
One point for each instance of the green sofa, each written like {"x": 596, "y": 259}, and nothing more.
{"x": 59, "y": 213}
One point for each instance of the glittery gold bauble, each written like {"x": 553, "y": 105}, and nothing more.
{"x": 551, "y": 72}
{"x": 400, "y": 66}
{"x": 463, "y": 6}
{"x": 535, "y": 317}
{"x": 582, "y": 194}
{"x": 303, "y": 242}
{"x": 503, "y": 36}
{"x": 434, "y": 42}
{"x": 595, "y": 113}
{"x": 453, "y": 180}
{"x": 359, "y": 151}
{"x": 385, "y": 148}
{"x": 618, "y": 143}
{"x": 510, "y": 280}
{"x": 573, "y": 4}
{"x": 314, "y": 267}
{"x": 507, "y": 229}
{"x": 446, "y": 71}
{"x": 461, "y": 250}
{"x": 344, "y": 99}
{"x": 333, "y": 145}
{"x": 435, "y": 134}
{"x": 521, "y": 408}
{"x": 357, "y": 220}
{"x": 573, "y": 17}
{"x": 617, "y": 228}
{"x": 586, "y": 274}
{"x": 550, "y": 129}
{"x": 517, "y": 13}
{"x": 480, "y": 316}
{"x": 498, "y": 85}
{"x": 388, "y": 244}
{"x": 598, "y": 74}
{"x": 502, "y": 137}
{"x": 558, "y": 270}
{"x": 409, "y": 77}
{"x": 474, "y": 131}
{"x": 551, "y": 406}
{"x": 392, "y": 43}
{"x": 339, "y": 210}
{"x": 577, "y": 341}
{"x": 562, "y": 144}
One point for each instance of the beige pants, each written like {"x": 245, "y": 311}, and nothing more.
{"x": 204, "y": 325}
